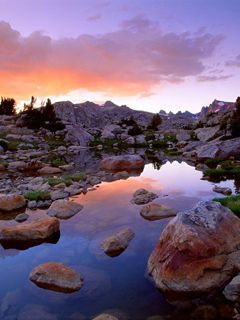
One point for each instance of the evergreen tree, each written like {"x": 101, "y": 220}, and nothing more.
{"x": 235, "y": 122}
{"x": 7, "y": 106}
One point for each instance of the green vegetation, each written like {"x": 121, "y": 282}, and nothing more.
{"x": 212, "y": 163}
{"x": 235, "y": 121}
{"x": 228, "y": 169}
{"x": 170, "y": 137}
{"x": 67, "y": 179}
{"x": 7, "y": 106}
{"x": 37, "y": 195}
{"x": 173, "y": 152}
{"x": 232, "y": 202}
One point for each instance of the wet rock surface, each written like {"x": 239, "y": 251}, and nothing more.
{"x": 121, "y": 163}
{"x": 57, "y": 277}
{"x": 142, "y": 196}
{"x": 155, "y": 211}
{"x": 11, "y": 202}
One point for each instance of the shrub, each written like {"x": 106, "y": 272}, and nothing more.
{"x": 155, "y": 122}
{"x": 135, "y": 130}
{"x": 37, "y": 195}
{"x": 43, "y": 117}
{"x": 212, "y": 163}
{"x": 58, "y": 162}
{"x": 7, "y": 106}
{"x": 232, "y": 202}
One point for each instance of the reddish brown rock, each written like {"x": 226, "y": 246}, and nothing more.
{"x": 57, "y": 277}
{"x": 120, "y": 163}
{"x": 11, "y": 202}
{"x": 155, "y": 211}
{"x": 198, "y": 251}
{"x": 35, "y": 230}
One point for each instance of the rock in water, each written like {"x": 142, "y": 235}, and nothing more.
{"x": 105, "y": 316}
{"x": 155, "y": 211}
{"x": 64, "y": 209}
{"x": 142, "y": 196}
{"x": 198, "y": 251}
{"x": 57, "y": 277}
{"x": 117, "y": 243}
{"x": 223, "y": 190}
{"x": 35, "y": 230}
{"x": 11, "y": 202}
{"x": 120, "y": 163}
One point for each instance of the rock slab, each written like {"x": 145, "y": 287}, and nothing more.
{"x": 155, "y": 211}
{"x": 198, "y": 251}
{"x": 11, "y": 202}
{"x": 120, "y": 163}
{"x": 57, "y": 277}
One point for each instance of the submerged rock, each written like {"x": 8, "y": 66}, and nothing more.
{"x": 57, "y": 277}
{"x": 64, "y": 209}
{"x": 35, "y": 230}
{"x": 124, "y": 162}
{"x": 198, "y": 251}
{"x": 22, "y": 217}
{"x": 223, "y": 190}
{"x": 142, "y": 196}
{"x": 11, "y": 202}
{"x": 116, "y": 244}
{"x": 155, "y": 211}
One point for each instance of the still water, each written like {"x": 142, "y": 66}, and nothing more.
{"x": 119, "y": 285}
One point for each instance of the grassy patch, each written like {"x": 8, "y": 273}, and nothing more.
{"x": 67, "y": 179}
{"x": 173, "y": 153}
{"x": 37, "y": 195}
{"x": 228, "y": 169}
{"x": 170, "y": 137}
{"x": 58, "y": 162}
{"x": 212, "y": 163}
{"x": 232, "y": 202}
{"x": 55, "y": 142}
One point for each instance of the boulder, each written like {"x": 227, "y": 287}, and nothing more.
{"x": 110, "y": 131}
{"x": 232, "y": 290}
{"x": 207, "y": 133}
{"x": 21, "y": 217}
{"x": 16, "y": 165}
{"x": 11, "y": 202}
{"x": 64, "y": 209}
{"x": 198, "y": 251}
{"x": 58, "y": 194}
{"x": 142, "y": 196}
{"x": 223, "y": 190}
{"x": 39, "y": 229}
{"x": 117, "y": 243}
{"x": 57, "y": 277}
{"x": 155, "y": 211}
{"x": 121, "y": 163}
{"x": 49, "y": 170}
{"x": 183, "y": 135}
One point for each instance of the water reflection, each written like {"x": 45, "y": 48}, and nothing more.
{"x": 120, "y": 283}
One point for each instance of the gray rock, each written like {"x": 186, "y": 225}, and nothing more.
{"x": 116, "y": 244}
{"x": 64, "y": 209}
{"x": 32, "y": 204}
{"x": 223, "y": 190}
{"x": 155, "y": 211}
{"x": 58, "y": 194}
{"x": 207, "y": 133}
{"x": 232, "y": 290}
{"x": 142, "y": 196}
{"x": 49, "y": 170}
{"x": 22, "y": 217}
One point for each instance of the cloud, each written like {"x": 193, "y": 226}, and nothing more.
{"x": 95, "y": 17}
{"x": 234, "y": 62}
{"x": 129, "y": 61}
{"x": 207, "y": 78}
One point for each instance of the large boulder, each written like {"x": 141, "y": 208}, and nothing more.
{"x": 198, "y": 251}
{"x": 232, "y": 290}
{"x": 39, "y": 229}
{"x": 64, "y": 209}
{"x": 11, "y": 202}
{"x": 57, "y": 277}
{"x": 120, "y": 163}
{"x": 143, "y": 196}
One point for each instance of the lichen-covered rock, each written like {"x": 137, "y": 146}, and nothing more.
{"x": 117, "y": 243}
{"x": 11, "y": 202}
{"x": 198, "y": 251}
{"x": 64, "y": 209}
{"x": 57, "y": 277}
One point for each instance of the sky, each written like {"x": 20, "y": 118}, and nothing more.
{"x": 147, "y": 54}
